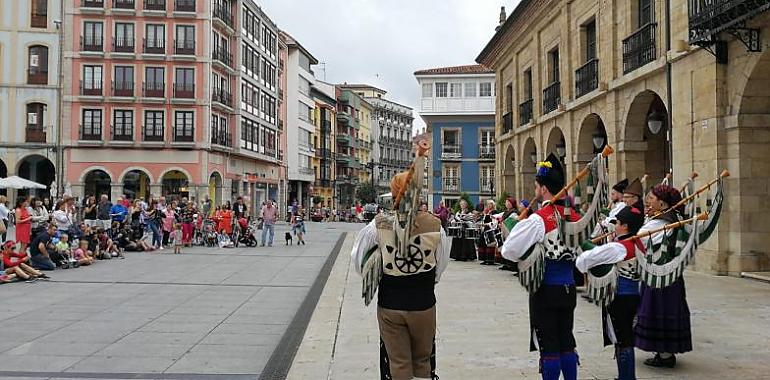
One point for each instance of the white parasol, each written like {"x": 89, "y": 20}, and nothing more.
{"x": 16, "y": 182}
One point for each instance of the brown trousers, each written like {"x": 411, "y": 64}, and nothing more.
{"x": 408, "y": 338}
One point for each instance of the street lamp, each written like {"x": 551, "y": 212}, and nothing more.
{"x": 561, "y": 149}
{"x": 655, "y": 121}
{"x": 598, "y": 139}
{"x": 533, "y": 156}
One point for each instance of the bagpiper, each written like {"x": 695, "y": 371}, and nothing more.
{"x": 401, "y": 256}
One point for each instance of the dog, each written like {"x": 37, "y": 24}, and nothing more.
{"x": 289, "y": 239}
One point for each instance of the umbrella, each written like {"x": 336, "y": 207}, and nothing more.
{"x": 16, "y": 182}
{"x": 386, "y": 195}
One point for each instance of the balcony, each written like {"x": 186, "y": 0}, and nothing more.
{"x": 639, "y": 48}
{"x": 451, "y": 151}
{"x": 150, "y": 134}
{"x": 551, "y": 97}
{"x": 35, "y": 135}
{"x": 487, "y": 151}
{"x": 343, "y": 138}
{"x": 92, "y": 3}
{"x": 222, "y": 137}
{"x": 222, "y": 96}
{"x": 487, "y": 185}
{"x": 344, "y": 117}
{"x": 221, "y": 54}
{"x": 451, "y": 184}
{"x": 347, "y": 161}
{"x": 123, "y": 4}
{"x": 123, "y": 45}
{"x": 184, "y": 47}
{"x": 223, "y": 14}
{"x": 37, "y": 76}
{"x": 39, "y": 21}
{"x": 184, "y": 5}
{"x": 707, "y": 18}
{"x": 346, "y": 179}
{"x": 184, "y": 136}
{"x": 154, "y": 90}
{"x": 92, "y": 44}
{"x": 270, "y": 151}
{"x": 122, "y": 89}
{"x": 122, "y": 132}
{"x": 525, "y": 112}
{"x": 508, "y": 122}
{"x": 154, "y": 46}
{"x": 184, "y": 90}
{"x": 155, "y": 5}
{"x": 306, "y": 171}
{"x": 91, "y": 89}
{"x": 587, "y": 78}
{"x": 92, "y": 133}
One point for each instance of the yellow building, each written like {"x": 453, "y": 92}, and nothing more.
{"x": 575, "y": 75}
{"x": 363, "y": 153}
{"x": 325, "y": 120}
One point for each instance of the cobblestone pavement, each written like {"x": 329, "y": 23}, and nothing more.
{"x": 209, "y": 313}
{"x": 483, "y": 327}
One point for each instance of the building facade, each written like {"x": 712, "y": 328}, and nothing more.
{"x": 324, "y": 142}
{"x": 299, "y": 122}
{"x": 364, "y": 141}
{"x": 678, "y": 89}
{"x": 458, "y": 107}
{"x": 30, "y": 91}
{"x": 348, "y": 168}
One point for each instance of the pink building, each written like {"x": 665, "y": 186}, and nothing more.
{"x": 150, "y": 106}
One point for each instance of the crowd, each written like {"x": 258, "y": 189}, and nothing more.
{"x": 63, "y": 233}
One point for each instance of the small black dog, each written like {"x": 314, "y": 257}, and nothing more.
{"x": 288, "y": 238}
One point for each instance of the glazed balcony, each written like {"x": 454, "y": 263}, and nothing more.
{"x": 451, "y": 151}
{"x": 155, "y": 5}
{"x": 587, "y": 78}
{"x": 221, "y": 137}
{"x": 222, "y": 96}
{"x": 221, "y": 54}
{"x": 640, "y": 48}
{"x": 451, "y": 184}
{"x": 551, "y": 97}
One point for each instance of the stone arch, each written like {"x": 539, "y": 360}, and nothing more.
{"x": 585, "y": 148}
{"x": 37, "y": 168}
{"x": 175, "y": 183}
{"x": 85, "y": 173}
{"x": 174, "y": 168}
{"x": 509, "y": 170}
{"x": 555, "y": 142}
{"x": 642, "y": 151}
{"x": 215, "y": 183}
{"x": 136, "y": 183}
{"x": 96, "y": 181}
{"x": 528, "y": 167}
{"x": 132, "y": 169}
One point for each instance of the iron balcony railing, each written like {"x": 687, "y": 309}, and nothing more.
{"x": 123, "y": 4}
{"x": 184, "y": 134}
{"x": 122, "y": 132}
{"x": 551, "y": 97}
{"x": 710, "y": 17}
{"x": 525, "y": 112}
{"x": 184, "y": 5}
{"x": 222, "y": 96}
{"x": 184, "y": 47}
{"x": 92, "y": 3}
{"x": 222, "y": 137}
{"x": 91, "y": 43}
{"x": 92, "y": 133}
{"x": 123, "y": 44}
{"x": 487, "y": 185}
{"x": 153, "y": 89}
{"x": 38, "y": 21}
{"x": 184, "y": 90}
{"x": 587, "y": 78}
{"x": 451, "y": 151}
{"x": 486, "y": 151}
{"x": 508, "y": 122}
{"x": 222, "y": 12}
{"x": 37, "y": 76}
{"x": 91, "y": 88}
{"x": 639, "y": 48}
{"x": 154, "y": 46}
{"x": 123, "y": 88}
{"x": 221, "y": 54}
{"x": 155, "y": 5}
{"x": 152, "y": 133}
{"x": 451, "y": 184}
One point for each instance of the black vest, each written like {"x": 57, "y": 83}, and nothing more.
{"x": 408, "y": 293}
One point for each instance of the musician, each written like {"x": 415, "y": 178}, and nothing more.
{"x": 406, "y": 278}
{"x": 617, "y": 199}
{"x": 663, "y": 321}
{"x": 463, "y": 248}
{"x": 552, "y": 304}
{"x": 511, "y": 211}
{"x": 485, "y": 246}
{"x": 621, "y": 311}
{"x": 633, "y": 194}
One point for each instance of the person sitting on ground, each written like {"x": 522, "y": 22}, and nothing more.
{"x": 82, "y": 255}
{"x": 39, "y": 257}
{"x": 15, "y": 263}
{"x": 63, "y": 246}
{"x": 107, "y": 247}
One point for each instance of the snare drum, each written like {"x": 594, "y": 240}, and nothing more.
{"x": 489, "y": 238}
{"x": 499, "y": 238}
{"x": 471, "y": 232}
{"x": 455, "y": 232}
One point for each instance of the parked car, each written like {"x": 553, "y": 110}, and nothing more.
{"x": 317, "y": 215}
{"x": 370, "y": 211}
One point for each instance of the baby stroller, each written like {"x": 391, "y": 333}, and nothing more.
{"x": 210, "y": 233}
{"x": 248, "y": 233}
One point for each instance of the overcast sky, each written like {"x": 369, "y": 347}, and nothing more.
{"x": 383, "y": 42}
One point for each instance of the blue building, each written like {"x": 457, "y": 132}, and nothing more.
{"x": 458, "y": 107}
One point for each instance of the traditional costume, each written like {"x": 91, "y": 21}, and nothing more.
{"x": 489, "y": 239}
{"x": 463, "y": 230}
{"x": 614, "y": 284}
{"x": 404, "y": 256}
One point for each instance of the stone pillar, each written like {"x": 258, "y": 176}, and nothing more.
{"x": 155, "y": 190}
{"x": 116, "y": 190}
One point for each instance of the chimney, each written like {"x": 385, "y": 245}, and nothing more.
{"x": 502, "y": 19}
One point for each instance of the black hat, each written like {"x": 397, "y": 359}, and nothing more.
{"x": 631, "y": 216}
{"x": 635, "y": 188}
{"x": 550, "y": 174}
{"x": 620, "y": 186}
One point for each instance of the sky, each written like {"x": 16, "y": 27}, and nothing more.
{"x": 383, "y": 42}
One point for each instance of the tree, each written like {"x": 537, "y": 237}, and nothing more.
{"x": 366, "y": 192}
{"x": 467, "y": 198}
{"x": 501, "y": 201}
{"x": 317, "y": 200}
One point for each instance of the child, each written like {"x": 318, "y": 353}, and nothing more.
{"x": 82, "y": 255}
{"x": 106, "y": 246}
{"x": 298, "y": 226}
{"x": 63, "y": 246}
{"x": 177, "y": 238}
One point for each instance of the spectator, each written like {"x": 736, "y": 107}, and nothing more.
{"x": 40, "y": 216}
{"x": 3, "y": 217}
{"x": 188, "y": 216}
{"x": 107, "y": 247}
{"x": 442, "y": 213}
{"x": 82, "y": 255}
{"x": 62, "y": 218}
{"x": 103, "y": 212}
{"x": 23, "y": 223}
{"x": 39, "y": 255}
{"x": 16, "y": 263}
{"x": 298, "y": 225}
{"x": 63, "y": 246}
{"x": 225, "y": 220}
{"x": 177, "y": 238}
{"x": 125, "y": 201}
{"x": 269, "y": 214}
{"x": 118, "y": 211}
{"x": 168, "y": 222}
{"x": 239, "y": 209}
{"x": 153, "y": 219}
{"x": 206, "y": 207}
{"x": 47, "y": 204}
{"x": 89, "y": 211}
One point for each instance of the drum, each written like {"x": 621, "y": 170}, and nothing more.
{"x": 455, "y": 232}
{"x": 471, "y": 232}
{"x": 499, "y": 238}
{"x": 489, "y": 237}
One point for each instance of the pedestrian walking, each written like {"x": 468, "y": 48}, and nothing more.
{"x": 269, "y": 214}
{"x": 298, "y": 226}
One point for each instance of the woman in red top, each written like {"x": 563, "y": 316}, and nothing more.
{"x": 23, "y": 223}
{"x": 226, "y": 220}
{"x": 16, "y": 263}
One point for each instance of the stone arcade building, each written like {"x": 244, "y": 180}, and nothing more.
{"x": 686, "y": 88}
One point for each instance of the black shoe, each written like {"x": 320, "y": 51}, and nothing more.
{"x": 657, "y": 361}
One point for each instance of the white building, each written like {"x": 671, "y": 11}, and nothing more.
{"x": 29, "y": 89}
{"x": 299, "y": 121}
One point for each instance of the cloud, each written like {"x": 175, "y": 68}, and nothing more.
{"x": 382, "y": 42}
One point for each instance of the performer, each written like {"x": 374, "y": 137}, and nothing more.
{"x": 663, "y": 323}
{"x": 552, "y": 304}
{"x": 405, "y": 263}
{"x": 619, "y": 311}
{"x": 463, "y": 248}
{"x": 486, "y": 246}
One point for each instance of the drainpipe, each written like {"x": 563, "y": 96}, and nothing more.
{"x": 669, "y": 101}
{"x": 60, "y": 102}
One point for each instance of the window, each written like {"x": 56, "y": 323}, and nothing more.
{"x": 646, "y": 12}
{"x": 154, "y": 40}
{"x": 92, "y": 36}
{"x": 485, "y": 89}
{"x": 183, "y": 126}
{"x": 527, "y": 84}
{"x": 553, "y": 66}
{"x": 451, "y": 137}
{"x": 184, "y": 87}
{"x": 487, "y": 137}
{"x": 123, "y": 81}
{"x": 39, "y": 14}
{"x": 427, "y": 90}
{"x": 249, "y": 135}
{"x": 124, "y": 38}
{"x": 35, "y": 115}
{"x": 92, "y": 125}
{"x": 456, "y": 90}
{"x": 509, "y": 97}
{"x": 38, "y": 65}
{"x": 153, "y": 125}
{"x": 470, "y": 90}
{"x": 185, "y": 39}
{"x": 154, "y": 79}
{"x": 123, "y": 124}
{"x": 441, "y": 90}
{"x": 590, "y": 36}
{"x": 92, "y": 80}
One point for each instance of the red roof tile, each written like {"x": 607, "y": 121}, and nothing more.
{"x": 454, "y": 70}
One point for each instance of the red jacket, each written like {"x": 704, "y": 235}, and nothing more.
{"x": 12, "y": 259}
{"x": 547, "y": 213}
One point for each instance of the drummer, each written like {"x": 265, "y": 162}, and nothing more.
{"x": 511, "y": 211}
{"x": 463, "y": 224}
{"x": 486, "y": 243}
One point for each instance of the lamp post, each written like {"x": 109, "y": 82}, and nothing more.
{"x": 533, "y": 156}
{"x": 655, "y": 121}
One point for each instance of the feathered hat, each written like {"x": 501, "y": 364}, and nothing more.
{"x": 550, "y": 174}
